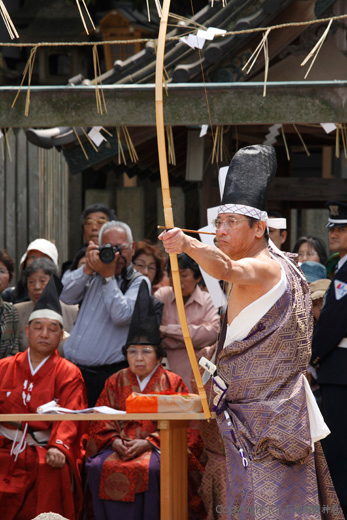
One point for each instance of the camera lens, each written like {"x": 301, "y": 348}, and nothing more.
{"x": 106, "y": 254}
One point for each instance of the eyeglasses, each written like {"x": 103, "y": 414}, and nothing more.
{"x": 3, "y": 272}
{"x": 122, "y": 247}
{"x": 145, "y": 351}
{"x": 228, "y": 223}
{"x": 151, "y": 268}
{"x": 307, "y": 254}
{"x": 89, "y": 222}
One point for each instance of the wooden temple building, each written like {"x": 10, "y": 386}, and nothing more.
{"x": 50, "y": 179}
{"x": 49, "y": 171}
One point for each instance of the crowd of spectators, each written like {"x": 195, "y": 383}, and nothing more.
{"x": 98, "y": 300}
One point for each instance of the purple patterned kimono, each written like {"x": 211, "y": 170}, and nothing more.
{"x": 272, "y": 471}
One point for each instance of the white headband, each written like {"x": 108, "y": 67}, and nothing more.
{"x": 46, "y": 313}
{"x": 249, "y": 211}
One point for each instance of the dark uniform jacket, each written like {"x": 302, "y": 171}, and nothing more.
{"x": 329, "y": 359}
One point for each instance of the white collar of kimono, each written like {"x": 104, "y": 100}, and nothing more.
{"x": 33, "y": 371}
{"x": 145, "y": 380}
{"x": 249, "y": 211}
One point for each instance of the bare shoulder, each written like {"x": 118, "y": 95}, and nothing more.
{"x": 260, "y": 269}
{"x": 265, "y": 262}
{"x": 257, "y": 276}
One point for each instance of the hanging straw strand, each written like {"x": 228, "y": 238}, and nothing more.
{"x": 218, "y": 145}
{"x": 30, "y": 74}
{"x": 130, "y": 145}
{"x": 158, "y": 6}
{"x": 302, "y": 140}
{"x": 315, "y": 51}
{"x": 148, "y": 11}
{"x": 8, "y": 145}
{"x": 80, "y": 143}
{"x": 8, "y": 22}
{"x": 170, "y": 145}
{"x": 337, "y": 141}
{"x": 28, "y": 68}
{"x": 214, "y": 137}
{"x": 107, "y": 132}
{"x": 121, "y": 156}
{"x": 166, "y": 79}
{"x": 266, "y": 58}
{"x": 343, "y": 137}
{"x": 88, "y": 13}
{"x": 187, "y": 21}
{"x": 3, "y": 148}
{"x": 90, "y": 140}
{"x": 221, "y": 145}
{"x": 99, "y": 92}
{"x": 82, "y": 17}
{"x": 285, "y": 143}
{"x": 253, "y": 58}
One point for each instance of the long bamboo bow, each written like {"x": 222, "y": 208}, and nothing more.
{"x": 168, "y": 216}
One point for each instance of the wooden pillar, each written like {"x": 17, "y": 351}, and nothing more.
{"x": 173, "y": 470}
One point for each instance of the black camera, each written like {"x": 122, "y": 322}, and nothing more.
{"x": 108, "y": 252}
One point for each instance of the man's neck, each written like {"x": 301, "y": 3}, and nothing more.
{"x": 36, "y": 358}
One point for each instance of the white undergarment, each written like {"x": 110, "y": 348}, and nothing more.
{"x": 243, "y": 323}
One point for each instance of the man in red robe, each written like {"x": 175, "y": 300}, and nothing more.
{"x": 40, "y": 461}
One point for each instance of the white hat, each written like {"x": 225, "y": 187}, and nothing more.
{"x": 44, "y": 246}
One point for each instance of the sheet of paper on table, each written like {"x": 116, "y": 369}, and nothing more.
{"x": 52, "y": 407}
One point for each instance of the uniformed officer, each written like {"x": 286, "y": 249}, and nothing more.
{"x": 329, "y": 354}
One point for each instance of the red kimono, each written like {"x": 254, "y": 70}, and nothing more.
{"x": 135, "y": 472}
{"x": 29, "y": 486}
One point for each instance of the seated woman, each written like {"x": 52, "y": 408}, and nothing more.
{"x": 36, "y": 276}
{"x": 124, "y": 477}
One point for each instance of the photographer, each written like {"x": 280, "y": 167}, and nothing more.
{"x": 109, "y": 291}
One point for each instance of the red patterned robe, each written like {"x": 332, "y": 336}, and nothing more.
{"x": 121, "y": 481}
{"x": 29, "y": 486}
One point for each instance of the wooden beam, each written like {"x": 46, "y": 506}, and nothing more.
{"x": 327, "y": 155}
{"x": 133, "y": 105}
{"x": 307, "y": 189}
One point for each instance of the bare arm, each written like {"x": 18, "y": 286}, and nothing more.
{"x": 211, "y": 259}
{"x": 247, "y": 271}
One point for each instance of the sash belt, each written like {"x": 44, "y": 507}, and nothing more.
{"x": 37, "y": 438}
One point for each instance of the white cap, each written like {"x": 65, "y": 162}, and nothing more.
{"x": 44, "y": 246}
